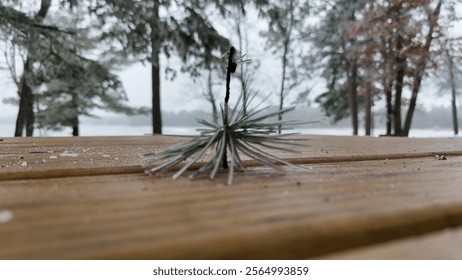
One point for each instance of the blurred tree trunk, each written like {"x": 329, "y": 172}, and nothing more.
{"x": 211, "y": 97}
{"x": 284, "y": 69}
{"x": 367, "y": 90}
{"x": 389, "y": 106}
{"x": 30, "y": 115}
{"x": 368, "y": 115}
{"x": 155, "y": 70}
{"x": 400, "y": 73}
{"x": 75, "y": 118}
{"x": 241, "y": 74}
{"x": 387, "y": 83}
{"x": 21, "y": 118}
{"x": 25, "y": 119}
{"x": 352, "y": 76}
{"x": 286, "y": 45}
{"x": 452, "y": 80}
{"x": 75, "y": 126}
{"x": 26, "y": 116}
{"x": 352, "y": 80}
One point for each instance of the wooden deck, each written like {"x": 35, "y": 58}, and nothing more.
{"x": 360, "y": 198}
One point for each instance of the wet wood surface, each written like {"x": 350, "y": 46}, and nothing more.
{"x": 88, "y": 198}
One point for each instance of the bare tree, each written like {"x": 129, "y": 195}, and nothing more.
{"x": 422, "y": 62}
{"x": 401, "y": 33}
{"x": 284, "y": 25}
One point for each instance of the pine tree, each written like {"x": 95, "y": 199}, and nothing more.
{"x": 337, "y": 49}
{"x": 154, "y": 28}
{"x": 21, "y": 29}
{"x": 60, "y": 80}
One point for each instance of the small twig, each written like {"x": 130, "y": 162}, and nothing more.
{"x": 229, "y": 70}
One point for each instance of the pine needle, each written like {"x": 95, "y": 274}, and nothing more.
{"x": 242, "y": 131}
{"x": 245, "y": 134}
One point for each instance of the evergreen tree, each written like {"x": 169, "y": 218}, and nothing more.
{"x": 59, "y": 78}
{"x": 148, "y": 29}
{"x": 336, "y": 48}
{"x": 23, "y": 30}
{"x": 74, "y": 87}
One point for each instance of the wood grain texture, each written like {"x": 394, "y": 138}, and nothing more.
{"x": 66, "y": 156}
{"x": 335, "y": 204}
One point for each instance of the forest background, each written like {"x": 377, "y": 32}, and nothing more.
{"x": 362, "y": 61}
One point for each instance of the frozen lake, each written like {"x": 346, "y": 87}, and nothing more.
{"x": 6, "y": 130}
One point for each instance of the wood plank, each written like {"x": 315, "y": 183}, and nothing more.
{"x": 332, "y": 207}
{"x": 65, "y": 156}
{"x": 48, "y": 157}
{"x": 441, "y": 245}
